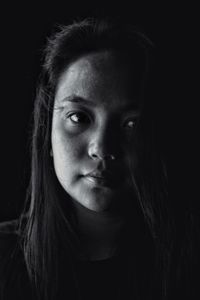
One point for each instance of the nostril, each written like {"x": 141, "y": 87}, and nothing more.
{"x": 102, "y": 156}
{"x": 93, "y": 151}
{"x": 94, "y": 155}
{"x": 101, "y": 152}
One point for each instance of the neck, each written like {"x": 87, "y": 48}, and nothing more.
{"x": 99, "y": 232}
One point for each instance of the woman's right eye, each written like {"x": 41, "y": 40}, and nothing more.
{"x": 78, "y": 118}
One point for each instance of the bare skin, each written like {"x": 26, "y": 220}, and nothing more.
{"x": 95, "y": 115}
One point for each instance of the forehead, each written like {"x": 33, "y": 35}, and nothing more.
{"x": 100, "y": 77}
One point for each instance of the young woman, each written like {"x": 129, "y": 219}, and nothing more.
{"x": 97, "y": 223}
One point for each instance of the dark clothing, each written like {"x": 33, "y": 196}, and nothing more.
{"x": 14, "y": 283}
{"x": 111, "y": 279}
{"x": 98, "y": 280}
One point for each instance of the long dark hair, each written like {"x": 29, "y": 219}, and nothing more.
{"x": 48, "y": 226}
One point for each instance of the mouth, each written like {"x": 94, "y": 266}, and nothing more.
{"x": 103, "y": 179}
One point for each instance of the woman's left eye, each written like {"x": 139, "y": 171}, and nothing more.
{"x": 130, "y": 124}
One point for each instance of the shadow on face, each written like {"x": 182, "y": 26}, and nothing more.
{"x": 96, "y": 111}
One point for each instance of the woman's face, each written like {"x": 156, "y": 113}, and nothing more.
{"x": 96, "y": 110}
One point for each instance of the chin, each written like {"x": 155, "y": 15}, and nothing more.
{"x": 97, "y": 202}
{"x": 97, "y": 206}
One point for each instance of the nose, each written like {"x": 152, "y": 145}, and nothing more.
{"x": 103, "y": 146}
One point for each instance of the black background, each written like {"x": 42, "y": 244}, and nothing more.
{"x": 24, "y": 29}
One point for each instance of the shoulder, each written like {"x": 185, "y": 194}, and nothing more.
{"x": 11, "y": 237}
{"x": 9, "y": 226}
{"x": 13, "y": 274}
{"x": 8, "y": 237}
{"x": 9, "y": 242}
{"x": 10, "y": 230}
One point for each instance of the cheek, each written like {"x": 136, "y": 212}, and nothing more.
{"x": 67, "y": 149}
{"x": 131, "y": 157}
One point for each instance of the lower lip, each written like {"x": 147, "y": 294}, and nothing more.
{"x": 97, "y": 181}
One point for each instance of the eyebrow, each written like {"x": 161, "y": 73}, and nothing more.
{"x": 80, "y": 100}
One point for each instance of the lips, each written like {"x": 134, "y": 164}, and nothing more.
{"x": 104, "y": 178}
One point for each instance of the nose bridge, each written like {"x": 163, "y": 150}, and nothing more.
{"x": 102, "y": 140}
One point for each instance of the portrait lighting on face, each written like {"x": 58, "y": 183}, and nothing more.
{"x": 97, "y": 222}
{"x": 94, "y": 121}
